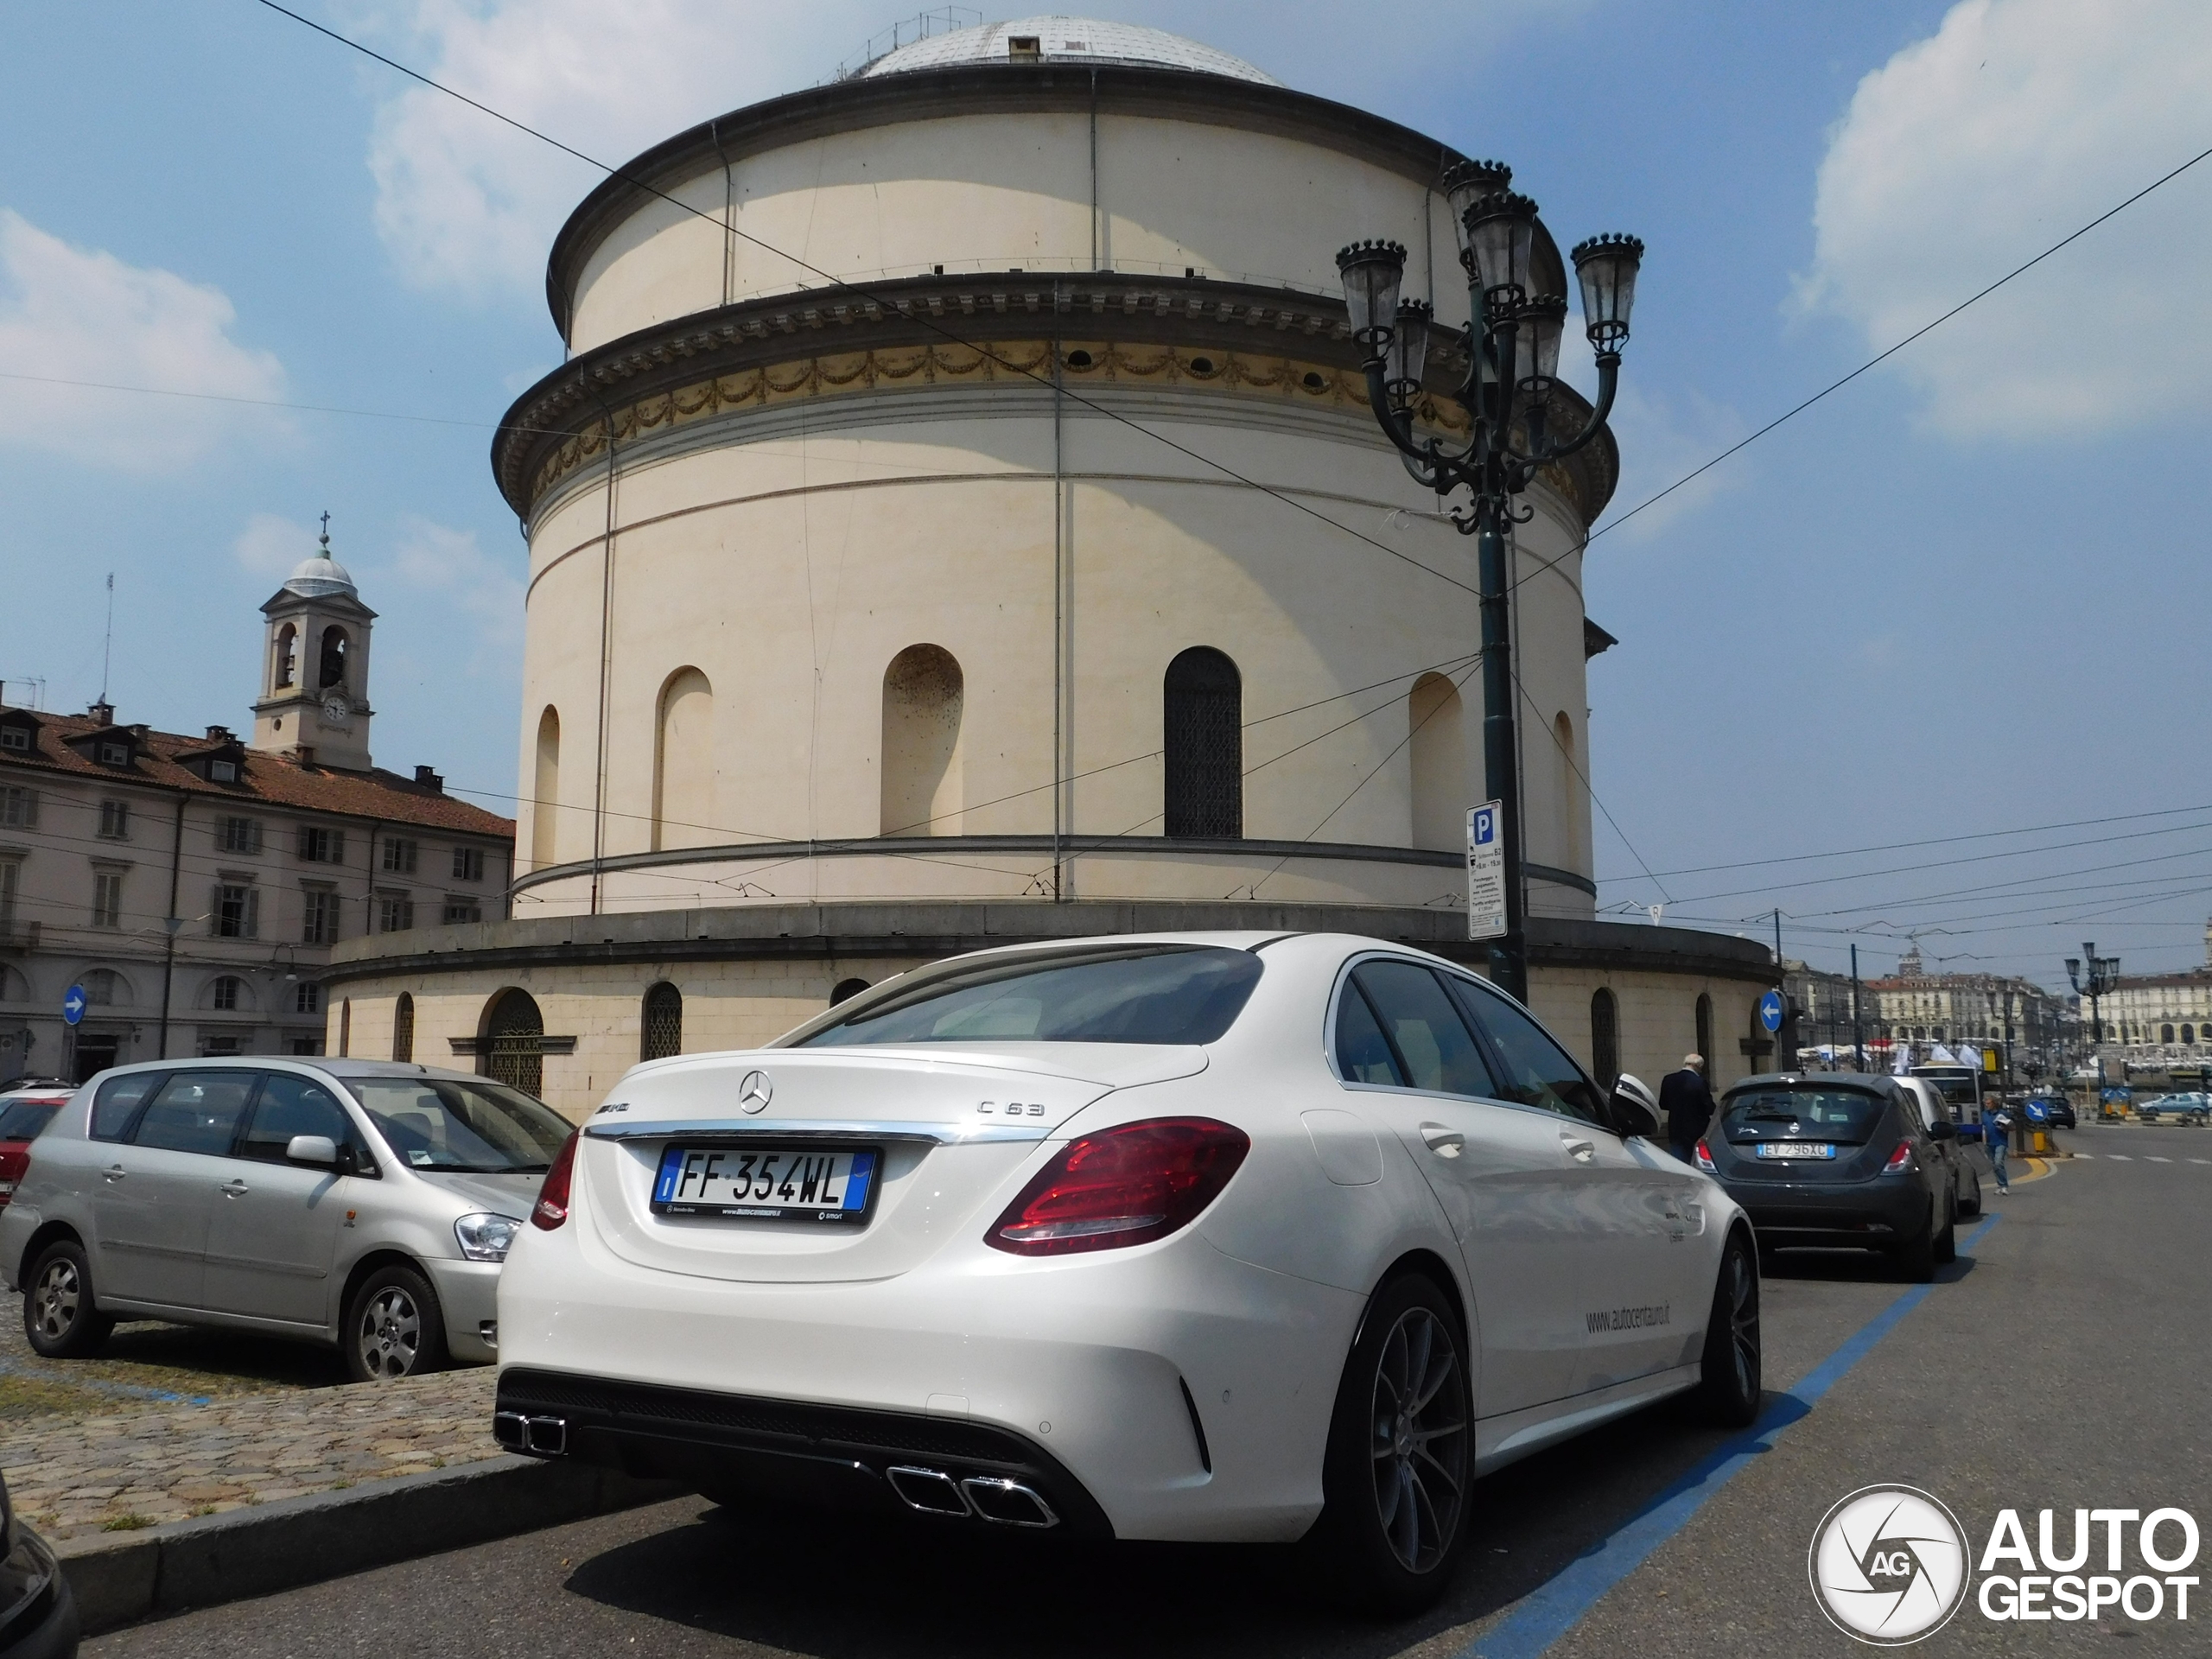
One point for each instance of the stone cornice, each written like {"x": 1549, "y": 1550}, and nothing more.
{"x": 1189, "y": 334}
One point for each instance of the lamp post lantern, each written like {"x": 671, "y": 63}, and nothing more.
{"x": 1511, "y": 347}
{"x": 2103, "y": 975}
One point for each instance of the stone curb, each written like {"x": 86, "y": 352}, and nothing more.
{"x": 120, "y": 1578}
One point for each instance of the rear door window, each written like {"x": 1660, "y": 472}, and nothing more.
{"x": 292, "y": 1105}
{"x": 1434, "y": 1048}
{"x": 118, "y": 1101}
{"x": 196, "y": 1112}
{"x": 1537, "y": 1071}
{"x": 1362, "y": 1051}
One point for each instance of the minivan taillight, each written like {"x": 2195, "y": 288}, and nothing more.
{"x": 1128, "y": 1185}
{"x": 552, "y": 1206}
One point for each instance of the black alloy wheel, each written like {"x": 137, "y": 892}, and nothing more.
{"x": 394, "y": 1328}
{"x": 1728, "y": 1393}
{"x": 60, "y": 1317}
{"x": 1971, "y": 1207}
{"x": 1915, "y": 1261}
{"x": 1947, "y": 1242}
{"x": 1400, "y": 1454}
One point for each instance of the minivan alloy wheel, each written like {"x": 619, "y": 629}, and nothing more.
{"x": 391, "y": 1334}
{"x": 1418, "y": 1449}
{"x": 53, "y": 1302}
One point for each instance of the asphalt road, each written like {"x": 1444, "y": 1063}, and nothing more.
{"x": 2060, "y": 1366}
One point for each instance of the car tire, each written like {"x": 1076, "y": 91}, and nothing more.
{"x": 1729, "y": 1393}
{"x": 1400, "y": 1455}
{"x": 1945, "y": 1243}
{"x": 60, "y": 1318}
{"x": 394, "y": 1327}
{"x": 1972, "y": 1206}
{"x": 1916, "y": 1261}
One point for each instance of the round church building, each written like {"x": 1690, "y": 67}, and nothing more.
{"x": 958, "y": 521}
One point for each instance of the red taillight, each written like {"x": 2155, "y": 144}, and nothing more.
{"x": 1900, "y": 1161}
{"x": 552, "y": 1206}
{"x": 1124, "y": 1186}
{"x": 1705, "y": 1159}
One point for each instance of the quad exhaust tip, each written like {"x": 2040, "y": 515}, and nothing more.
{"x": 1004, "y": 1503}
{"x": 537, "y": 1437}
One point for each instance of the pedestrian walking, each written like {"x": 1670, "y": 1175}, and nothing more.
{"x": 1996, "y": 1131}
{"x": 1687, "y": 1104}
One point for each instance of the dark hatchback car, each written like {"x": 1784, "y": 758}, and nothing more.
{"x": 38, "y": 1615}
{"x": 1833, "y": 1160}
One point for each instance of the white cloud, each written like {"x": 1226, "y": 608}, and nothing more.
{"x": 82, "y": 314}
{"x": 272, "y": 546}
{"x": 435, "y": 559}
{"x": 1662, "y": 439}
{"x": 1970, "y": 151}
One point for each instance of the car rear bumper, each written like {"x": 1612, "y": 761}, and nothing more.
{"x": 1880, "y": 1214}
{"x": 1167, "y": 1391}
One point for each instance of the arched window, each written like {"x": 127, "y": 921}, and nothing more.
{"x": 683, "y": 763}
{"x": 660, "y": 1026}
{"x": 1704, "y": 1037}
{"x": 545, "y": 792}
{"x": 337, "y": 651}
{"x": 403, "y": 1028}
{"x": 1437, "y": 747}
{"x": 1567, "y": 792}
{"x": 105, "y": 987}
{"x": 514, "y": 1052}
{"x": 228, "y": 993}
{"x": 2165, "y": 1034}
{"x": 846, "y": 989}
{"x": 1606, "y": 1037}
{"x": 1202, "y": 743}
{"x": 286, "y": 665}
{"x": 923, "y": 694}
{"x": 2188, "y": 1036}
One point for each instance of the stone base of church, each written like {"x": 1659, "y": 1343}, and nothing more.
{"x": 748, "y": 974}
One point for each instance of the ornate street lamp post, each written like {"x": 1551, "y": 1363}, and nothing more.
{"x": 1512, "y": 352}
{"x": 2103, "y": 975}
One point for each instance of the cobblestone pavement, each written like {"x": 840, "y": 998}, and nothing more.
{"x": 164, "y": 1459}
{"x": 145, "y": 1361}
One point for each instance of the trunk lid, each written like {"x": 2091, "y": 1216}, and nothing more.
{"x": 951, "y": 1124}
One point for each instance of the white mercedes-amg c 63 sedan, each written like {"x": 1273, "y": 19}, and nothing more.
{"x": 1207, "y": 1236}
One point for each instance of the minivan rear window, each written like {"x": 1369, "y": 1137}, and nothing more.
{"x": 118, "y": 1102}
{"x": 1128, "y": 993}
{"x": 1844, "y": 1115}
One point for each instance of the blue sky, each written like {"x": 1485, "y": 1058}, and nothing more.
{"x": 1952, "y": 600}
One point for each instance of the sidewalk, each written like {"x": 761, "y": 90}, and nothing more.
{"x": 138, "y": 1466}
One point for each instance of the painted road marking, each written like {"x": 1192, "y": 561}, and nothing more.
{"x": 1551, "y": 1611}
{"x": 2200, "y": 1160}
{"x": 2119, "y": 1157}
{"x": 2155, "y": 1159}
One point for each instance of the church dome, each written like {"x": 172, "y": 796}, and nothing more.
{"x": 1066, "y": 40}
{"x": 319, "y": 577}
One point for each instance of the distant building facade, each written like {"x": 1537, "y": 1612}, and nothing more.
{"x": 193, "y": 886}
{"x": 1980, "y": 1010}
{"x": 2149, "y": 1018}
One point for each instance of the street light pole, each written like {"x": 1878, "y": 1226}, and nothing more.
{"x": 1511, "y": 345}
{"x": 2103, "y": 976}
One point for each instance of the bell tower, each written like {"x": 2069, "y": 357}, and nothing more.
{"x": 315, "y": 673}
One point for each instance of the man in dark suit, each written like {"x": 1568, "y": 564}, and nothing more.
{"x": 1687, "y": 1104}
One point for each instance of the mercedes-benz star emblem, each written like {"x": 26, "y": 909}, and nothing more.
{"x": 752, "y": 1093}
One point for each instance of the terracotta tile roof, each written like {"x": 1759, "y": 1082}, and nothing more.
{"x": 268, "y": 779}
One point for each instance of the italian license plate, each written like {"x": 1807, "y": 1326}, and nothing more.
{"x": 767, "y": 1183}
{"x": 1796, "y": 1149}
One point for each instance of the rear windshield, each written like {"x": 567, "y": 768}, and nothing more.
{"x": 440, "y": 1123}
{"x": 22, "y": 1120}
{"x": 1149, "y": 994}
{"x": 1844, "y": 1115}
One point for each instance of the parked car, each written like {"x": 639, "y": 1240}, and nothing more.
{"x": 25, "y": 1110}
{"x": 38, "y": 1614}
{"x": 2182, "y": 1109}
{"x": 1935, "y": 1106}
{"x": 1838, "y": 1158}
{"x": 1207, "y": 1237}
{"x": 361, "y": 1202}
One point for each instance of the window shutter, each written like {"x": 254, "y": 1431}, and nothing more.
{"x": 307, "y": 842}
{"x": 215, "y": 909}
{"x": 337, "y": 846}
{"x": 252, "y": 928}
{"x": 30, "y": 809}
{"x": 253, "y": 835}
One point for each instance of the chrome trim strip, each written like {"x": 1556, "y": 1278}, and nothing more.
{"x": 788, "y": 1128}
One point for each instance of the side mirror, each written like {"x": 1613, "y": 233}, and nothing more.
{"x": 312, "y": 1149}
{"x": 1633, "y": 1118}
{"x": 1943, "y": 1129}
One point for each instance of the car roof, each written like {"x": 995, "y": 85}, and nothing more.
{"x": 1871, "y": 1083}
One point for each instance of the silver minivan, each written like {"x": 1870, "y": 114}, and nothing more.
{"x": 363, "y": 1202}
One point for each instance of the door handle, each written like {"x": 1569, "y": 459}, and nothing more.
{"x": 114, "y": 1174}
{"x": 1581, "y": 1151}
{"x": 1444, "y": 1142}
{"x": 234, "y": 1189}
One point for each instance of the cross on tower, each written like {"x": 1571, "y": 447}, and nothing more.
{"x": 326, "y": 534}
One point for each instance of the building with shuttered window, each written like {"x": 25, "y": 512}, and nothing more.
{"x": 898, "y": 583}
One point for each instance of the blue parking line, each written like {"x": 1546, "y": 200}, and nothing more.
{"x": 100, "y": 1385}
{"x": 1550, "y": 1612}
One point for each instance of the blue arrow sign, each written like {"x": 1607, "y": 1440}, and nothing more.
{"x": 1771, "y": 1011}
{"x": 72, "y": 1004}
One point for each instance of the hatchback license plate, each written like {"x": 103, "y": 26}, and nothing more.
{"x": 1796, "y": 1149}
{"x": 766, "y": 1183}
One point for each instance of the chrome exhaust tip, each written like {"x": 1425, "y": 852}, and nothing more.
{"x": 931, "y": 1491}
{"x": 1008, "y": 1503}
{"x": 537, "y": 1437}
